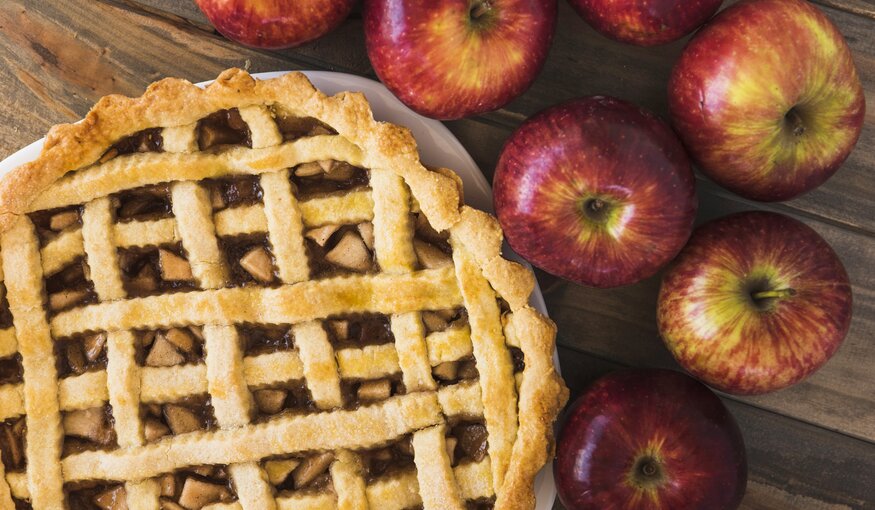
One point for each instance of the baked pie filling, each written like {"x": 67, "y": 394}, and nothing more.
{"x": 237, "y": 312}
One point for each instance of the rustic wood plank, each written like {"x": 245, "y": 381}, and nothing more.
{"x": 791, "y": 464}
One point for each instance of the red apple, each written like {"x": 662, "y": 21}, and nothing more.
{"x": 448, "y": 59}
{"x": 646, "y": 22}
{"x": 595, "y": 190}
{"x": 650, "y": 440}
{"x": 755, "y": 302}
{"x": 274, "y": 24}
{"x": 767, "y": 99}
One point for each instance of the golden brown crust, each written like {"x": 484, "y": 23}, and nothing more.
{"x": 385, "y": 147}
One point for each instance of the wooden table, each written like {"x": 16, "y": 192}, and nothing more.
{"x": 810, "y": 447}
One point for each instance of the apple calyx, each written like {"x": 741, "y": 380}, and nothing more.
{"x": 794, "y": 122}
{"x": 647, "y": 473}
{"x": 596, "y": 210}
{"x": 481, "y": 13}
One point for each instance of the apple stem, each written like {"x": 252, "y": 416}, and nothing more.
{"x": 480, "y": 8}
{"x": 773, "y": 294}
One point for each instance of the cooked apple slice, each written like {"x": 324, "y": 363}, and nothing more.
{"x": 257, "y": 263}
{"x": 279, "y": 470}
{"x": 270, "y": 401}
{"x": 366, "y": 230}
{"x": 447, "y": 371}
{"x": 371, "y": 391}
{"x": 340, "y": 329}
{"x": 197, "y": 494}
{"x": 62, "y": 220}
{"x": 75, "y": 358}
{"x": 468, "y": 369}
{"x": 433, "y": 321}
{"x": 311, "y": 468}
{"x": 308, "y": 169}
{"x": 94, "y": 345}
{"x": 66, "y": 299}
{"x": 112, "y": 499}
{"x": 326, "y": 164}
{"x": 181, "y": 419}
{"x": 430, "y": 256}
{"x": 163, "y": 354}
{"x": 321, "y": 234}
{"x": 473, "y": 441}
{"x": 89, "y": 424}
{"x": 146, "y": 281}
{"x": 179, "y": 338}
{"x": 350, "y": 253}
{"x": 168, "y": 485}
{"x": 154, "y": 429}
{"x": 340, "y": 171}
{"x": 173, "y": 267}
{"x": 166, "y": 504}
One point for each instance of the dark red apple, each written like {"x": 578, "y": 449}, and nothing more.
{"x": 650, "y": 440}
{"x": 767, "y": 99}
{"x": 755, "y": 302}
{"x": 274, "y": 24}
{"x": 595, "y": 190}
{"x": 646, "y": 22}
{"x": 448, "y": 59}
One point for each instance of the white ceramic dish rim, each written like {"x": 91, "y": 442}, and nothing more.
{"x": 437, "y": 147}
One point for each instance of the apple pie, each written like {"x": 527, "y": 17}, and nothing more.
{"x": 255, "y": 296}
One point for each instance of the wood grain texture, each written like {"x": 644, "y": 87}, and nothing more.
{"x": 812, "y": 446}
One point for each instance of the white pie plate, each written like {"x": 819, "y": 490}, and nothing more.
{"x": 437, "y": 147}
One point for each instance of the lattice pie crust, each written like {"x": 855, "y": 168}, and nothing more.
{"x": 255, "y": 296}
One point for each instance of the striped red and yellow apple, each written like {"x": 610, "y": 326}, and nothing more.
{"x": 650, "y": 440}
{"x": 595, "y": 190}
{"x": 274, "y": 24}
{"x": 767, "y": 99}
{"x": 448, "y": 59}
{"x": 755, "y": 302}
{"x": 645, "y": 22}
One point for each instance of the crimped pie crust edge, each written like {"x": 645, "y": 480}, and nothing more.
{"x": 177, "y": 102}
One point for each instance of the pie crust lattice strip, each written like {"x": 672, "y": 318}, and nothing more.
{"x": 255, "y": 296}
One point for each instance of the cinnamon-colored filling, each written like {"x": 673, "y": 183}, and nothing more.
{"x": 250, "y": 258}
{"x": 12, "y": 442}
{"x": 453, "y": 372}
{"x": 170, "y": 347}
{"x": 148, "y": 140}
{"x": 224, "y": 127}
{"x": 88, "y": 429}
{"x": 196, "y": 487}
{"x": 307, "y": 472}
{"x": 143, "y": 204}
{"x": 480, "y": 504}
{"x": 263, "y": 339}
{"x": 319, "y": 178}
{"x": 293, "y": 397}
{"x": 234, "y": 191}
{"x": 519, "y": 362}
{"x": 80, "y": 354}
{"x": 69, "y": 288}
{"x": 51, "y": 222}
{"x": 357, "y": 393}
{"x": 293, "y": 128}
{"x": 189, "y": 414}
{"x": 441, "y": 320}
{"x": 340, "y": 250}
{"x": 5, "y": 314}
{"x": 387, "y": 461}
{"x": 358, "y": 330}
{"x": 94, "y": 495}
{"x": 149, "y": 271}
{"x": 11, "y": 371}
{"x": 469, "y": 441}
